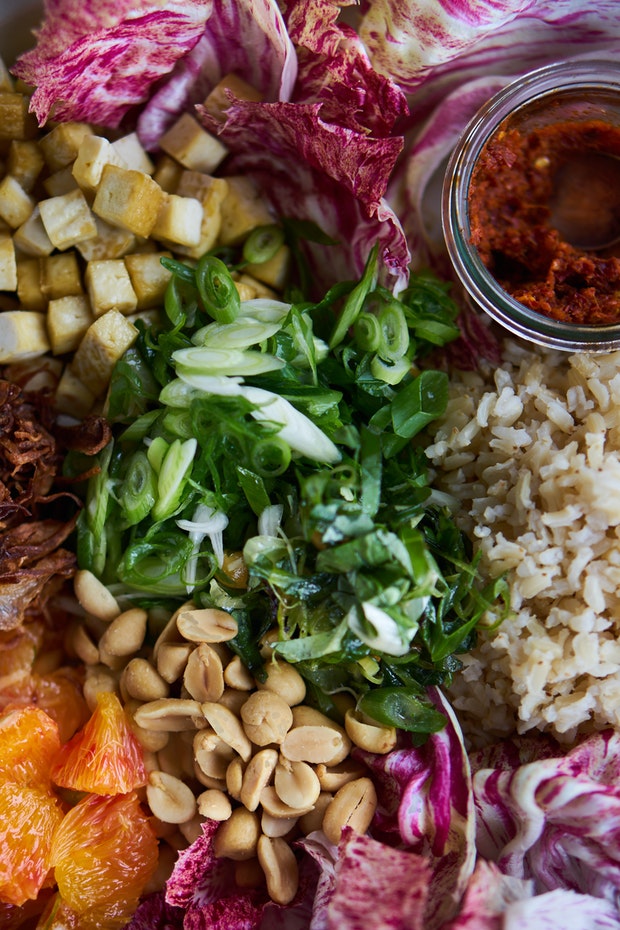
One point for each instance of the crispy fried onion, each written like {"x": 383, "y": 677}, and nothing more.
{"x": 35, "y": 517}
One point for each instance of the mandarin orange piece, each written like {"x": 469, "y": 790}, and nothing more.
{"x": 104, "y": 757}
{"x": 28, "y": 818}
{"x": 103, "y": 854}
{"x": 29, "y": 741}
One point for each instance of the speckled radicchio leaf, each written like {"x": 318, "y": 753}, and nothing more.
{"x": 97, "y": 61}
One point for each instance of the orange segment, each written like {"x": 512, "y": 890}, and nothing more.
{"x": 104, "y": 852}
{"x": 29, "y": 741}
{"x": 28, "y": 819}
{"x": 104, "y": 757}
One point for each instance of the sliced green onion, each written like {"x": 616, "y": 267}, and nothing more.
{"x": 262, "y": 244}
{"x": 367, "y": 332}
{"x": 394, "y": 332}
{"x": 137, "y": 494}
{"x": 270, "y": 457}
{"x": 390, "y": 372}
{"x": 178, "y": 394}
{"x": 156, "y": 452}
{"x": 266, "y": 309}
{"x": 354, "y": 302}
{"x": 204, "y": 360}
{"x": 217, "y": 289}
{"x": 173, "y": 302}
{"x": 240, "y": 334}
{"x": 182, "y": 271}
{"x": 173, "y": 476}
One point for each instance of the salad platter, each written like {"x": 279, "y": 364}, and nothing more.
{"x": 308, "y": 570}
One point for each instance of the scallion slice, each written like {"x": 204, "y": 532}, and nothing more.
{"x": 217, "y": 289}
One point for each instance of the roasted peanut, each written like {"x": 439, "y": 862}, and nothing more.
{"x": 142, "y": 682}
{"x": 234, "y": 699}
{"x": 237, "y": 837}
{"x": 283, "y": 680}
{"x": 192, "y": 829}
{"x": 212, "y": 753}
{"x": 208, "y": 625}
{"x": 228, "y": 728}
{"x": 313, "y": 820}
{"x": 296, "y": 783}
{"x": 275, "y": 806}
{"x": 169, "y": 714}
{"x": 257, "y": 775}
{"x": 316, "y": 744}
{"x": 125, "y": 634}
{"x": 177, "y": 758}
{"x": 171, "y": 659}
{"x": 369, "y": 734}
{"x": 248, "y": 874}
{"x": 277, "y": 826}
{"x": 169, "y": 798}
{"x": 150, "y": 740}
{"x": 354, "y": 806}
{"x": 332, "y": 778}
{"x": 266, "y": 718}
{"x": 170, "y": 633}
{"x": 279, "y": 864}
{"x": 80, "y": 644}
{"x": 204, "y": 676}
{"x": 98, "y": 679}
{"x": 94, "y": 596}
{"x": 214, "y": 804}
{"x": 234, "y": 778}
{"x": 237, "y": 676}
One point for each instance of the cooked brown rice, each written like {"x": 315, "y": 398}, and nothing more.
{"x": 531, "y": 453}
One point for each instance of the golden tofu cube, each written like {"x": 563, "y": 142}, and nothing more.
{"x": 67, "y": 219}
{"x": 29, "y": 292}
{"x": 15, "y": 204}
{"x": 8, "y": 265}
{"x": 68, "y": 318}
{"x": 110, "y": 242}
{"x": 167, "y": 173}
{"x": 219, "y": 100}
{"x": 23, "y": 335}
{"x": 61, "y": 182}
{"x": 149, "y": 278}
{"x": 128, "y": 198}
{"x": 109, "y": 287}
{"x": 257, "y": 287}
{"x": 25, "y": 162}
{"x": 15, "y": 120}
{"x": 104, "y": 343}
{"x": 61, "y": 144}
{"x": 31, "y": 236}
{"x": 274, "y": 271}
{"x": 133, "y": 155}
{"x": 72, "y": 396}
{"x": 211, "y": 193}
{"x": 243, "y": 209}
{"x": 179, "y": 221}
{"x": 93, "y": 155}
{"x": 60, "y": 275}
{"x": 193, "y": 146}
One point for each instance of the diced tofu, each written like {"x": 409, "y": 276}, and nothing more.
{"x": 61, "y": 144}
{"x": 61, "y": 182}
{"x": 67, "y": 219}
{"x": 179, "y": 221}
{"x": 29, "y": 292}
{"x": 23, "y": 335}
{"x": 72, "y": 395}
{"x": 245, "y": 291}
{"x": 15, "y": 204}
{"x": 109, "y": 287}
{"x": 193, "y": 146}
{"x": 149, "y": 278}
{"x": 25, "y": 162}
{"x": 128, "y": 198}
{"x": 211, "y": 193}
{"x": 68, "y": 318}
{"x": 219, "y": 100}
{"x": 243, "y": 209}
{"x": 167, "y": 173}
{"x": 274, "y": 271}
{"x": 8, "y": 265}
{"x": 60, "y": 275}
{"x": 93, "y": 155}
{"x": 110, "y": 242}
{"x": 31, "y": 237}
{"x": 104, "y": 343}
{"x": 15, "y": 120}
{"x": 257, "y": 288}
{"x": 133, "y": 154}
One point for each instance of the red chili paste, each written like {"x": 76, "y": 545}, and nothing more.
{"x": 510, "y": 194}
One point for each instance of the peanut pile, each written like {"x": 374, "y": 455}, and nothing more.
{"x": 220, "y": 744}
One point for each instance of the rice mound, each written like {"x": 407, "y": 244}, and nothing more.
{"x": 531, "y": 452}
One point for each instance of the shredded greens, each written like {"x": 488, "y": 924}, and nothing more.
{"x": 279, "y": 435}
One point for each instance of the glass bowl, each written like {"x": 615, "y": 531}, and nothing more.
{"x": 570, "y": 93}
